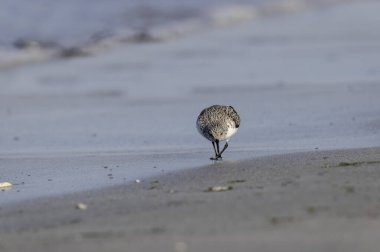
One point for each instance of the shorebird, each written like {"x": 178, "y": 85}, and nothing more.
{"x": 218, "y": 123}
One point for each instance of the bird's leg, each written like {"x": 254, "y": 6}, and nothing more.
{"x": 224, "y": 148}
{"x": 216, "y": 154}
{"x": 217, "y": 147}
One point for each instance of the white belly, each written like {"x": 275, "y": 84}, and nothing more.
{"x": 231, "y": 131}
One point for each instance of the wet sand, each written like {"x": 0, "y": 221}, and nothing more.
{"x": 315, "y": 201}
{"x": 299, "y": 82}
{"x": 81, "y": 130}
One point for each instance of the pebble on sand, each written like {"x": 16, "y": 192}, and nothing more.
{"x": 219, "y": 188}
{"x": 81, "y": 206}
{"x": 5, "y": 184}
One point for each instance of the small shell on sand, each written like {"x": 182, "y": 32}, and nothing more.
{"x": 219, "y": 188}
{"x": 5, "y": 185}
{"x": 81, "y": 206}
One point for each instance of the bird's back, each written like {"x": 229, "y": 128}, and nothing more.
{"x": 218, "y": 122}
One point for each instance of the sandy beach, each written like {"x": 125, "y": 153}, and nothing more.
{"x": 317, "y": 201}
{"x": 302, "y": 173}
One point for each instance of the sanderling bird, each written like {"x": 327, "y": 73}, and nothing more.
{"x": 218, "y": 123}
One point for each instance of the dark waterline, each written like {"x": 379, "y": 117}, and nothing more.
{"x": 74, "y": 22}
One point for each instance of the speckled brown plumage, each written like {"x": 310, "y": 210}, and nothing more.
{"x": 218, "y": 123}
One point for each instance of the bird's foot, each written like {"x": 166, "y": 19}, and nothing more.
{"x": 216, "y": 158}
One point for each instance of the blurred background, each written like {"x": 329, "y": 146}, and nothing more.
{"x": 133, "y": 75}
{"x": 41, "y": 29}
{"x": 110, "y": 74}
